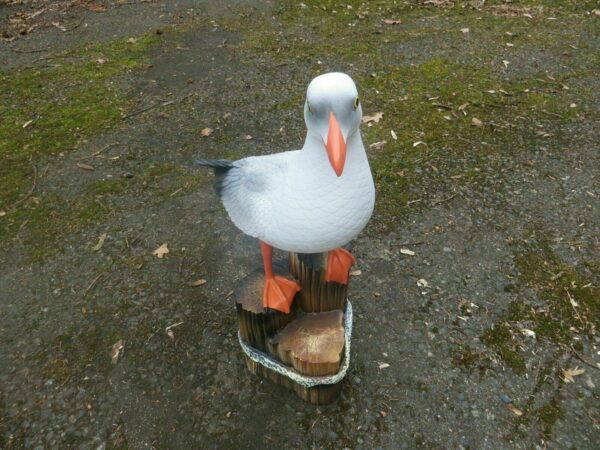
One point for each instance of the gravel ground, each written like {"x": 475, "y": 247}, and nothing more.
{"x": 481, "y": 327}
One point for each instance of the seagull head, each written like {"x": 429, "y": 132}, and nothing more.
{"x": 333, "y": 114}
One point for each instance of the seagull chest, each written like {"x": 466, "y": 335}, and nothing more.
{"x": 317, "y": 213}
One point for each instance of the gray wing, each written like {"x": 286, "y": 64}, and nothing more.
{"x": 250, "y": 188}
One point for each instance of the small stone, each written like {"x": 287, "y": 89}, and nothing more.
{"x": 505, "y": 398}
{"x": 128, "y": 175}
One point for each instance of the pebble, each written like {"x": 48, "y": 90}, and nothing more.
{"x": 505, "y": 398}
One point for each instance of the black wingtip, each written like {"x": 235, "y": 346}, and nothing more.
{"x": 215, "y": 164}
{"x": 220, "y": 167}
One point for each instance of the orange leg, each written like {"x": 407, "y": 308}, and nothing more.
{"x": 339, "y": 262}
{"x": 279, "y": 292}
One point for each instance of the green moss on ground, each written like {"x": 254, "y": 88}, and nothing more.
{"x": 157, "y": 181}
{"x": 548, "y": 415}
{"x": 500, "y": 338}
{"x": 47, "y": 110}
{"x": 572, "y": 302}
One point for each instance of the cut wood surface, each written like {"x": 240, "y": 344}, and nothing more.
{"x": 312, "y": 343}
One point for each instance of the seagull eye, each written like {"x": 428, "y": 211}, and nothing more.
{"x": 310, "y": 110}
{"x": 356, "y": 103}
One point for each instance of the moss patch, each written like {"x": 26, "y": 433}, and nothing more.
{"x": 548, "y": 415}
{"x": 500, "y": 338}
{"x": 572, "y": 302}
{"x": 47, "y": 110}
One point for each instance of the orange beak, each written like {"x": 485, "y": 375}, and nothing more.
{"x": 336, "y": 146}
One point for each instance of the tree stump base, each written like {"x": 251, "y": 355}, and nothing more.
{"x": 257, "y": 323}
{"x": 317, "y": 395}
{"x": 305, "y": 351}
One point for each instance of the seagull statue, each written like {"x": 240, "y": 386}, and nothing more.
{"x": 313, "y": 200}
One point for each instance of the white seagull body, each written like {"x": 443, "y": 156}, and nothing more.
{"x": 312, "y": 200}
{"x": 294, "y": 201}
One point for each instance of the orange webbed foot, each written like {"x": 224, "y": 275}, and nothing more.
{"x": 339, "y": 262}
{"x": 279, "y": 293}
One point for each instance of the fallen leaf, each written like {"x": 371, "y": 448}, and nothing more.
{"x": 528, "y": 332}
{"x": 26, "y": 124}
{"x": 85, "y": 166}
{"x": 132, "y": 40}
{"x": 509, "y": 44}
{"x": 544, "y": 134}
{"x": 394, "y": 136}
{"x": 463, "y": 108}
{"x": 383, "y": 365}
{"x": 416, "y": 144}
{"x": 206, "y": 132}
{"x": 117, "y": 351}
{"x": 355, "y": 273}
{"x": 198, "y": 282}
{"x": 171, "y": 334}
{"x": 377, "y": 145}
{"x": 101, "y": 61}
{"x": 96, "y": 7}
{"x": 382, "y": 413}
{"x": 392, "y": 21}
{"x": 573, "y": 105}
{"x": 161, "y": 251}
{"x": 406, "y": 251}
{"x": 596, "y": 12}
{"x": 375, "y": 118}
{"x": 422, "y": 282}
{"x": 100, "y": 243}
{"x": 247, "y": 137}
{"x": 464, "y": 30}
{"x": 476, "y": 122}
{"x": 59, "y": 26}
{"x": 516, "y": 411}
{"x": 2, "y": 213}
{"x": 506, "y": 63}
{"x": 568, "y": 374}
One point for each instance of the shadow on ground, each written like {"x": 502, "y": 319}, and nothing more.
{"x": 486, "y": 164}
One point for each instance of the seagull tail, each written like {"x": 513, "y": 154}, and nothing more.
{"x": 221, "y": 167}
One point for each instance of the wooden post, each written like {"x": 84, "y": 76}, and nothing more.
{"x": 310, "y": 341}
{"x": 316, "y": 295}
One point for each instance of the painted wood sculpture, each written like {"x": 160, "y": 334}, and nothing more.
{"x": 295, "y": 320}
